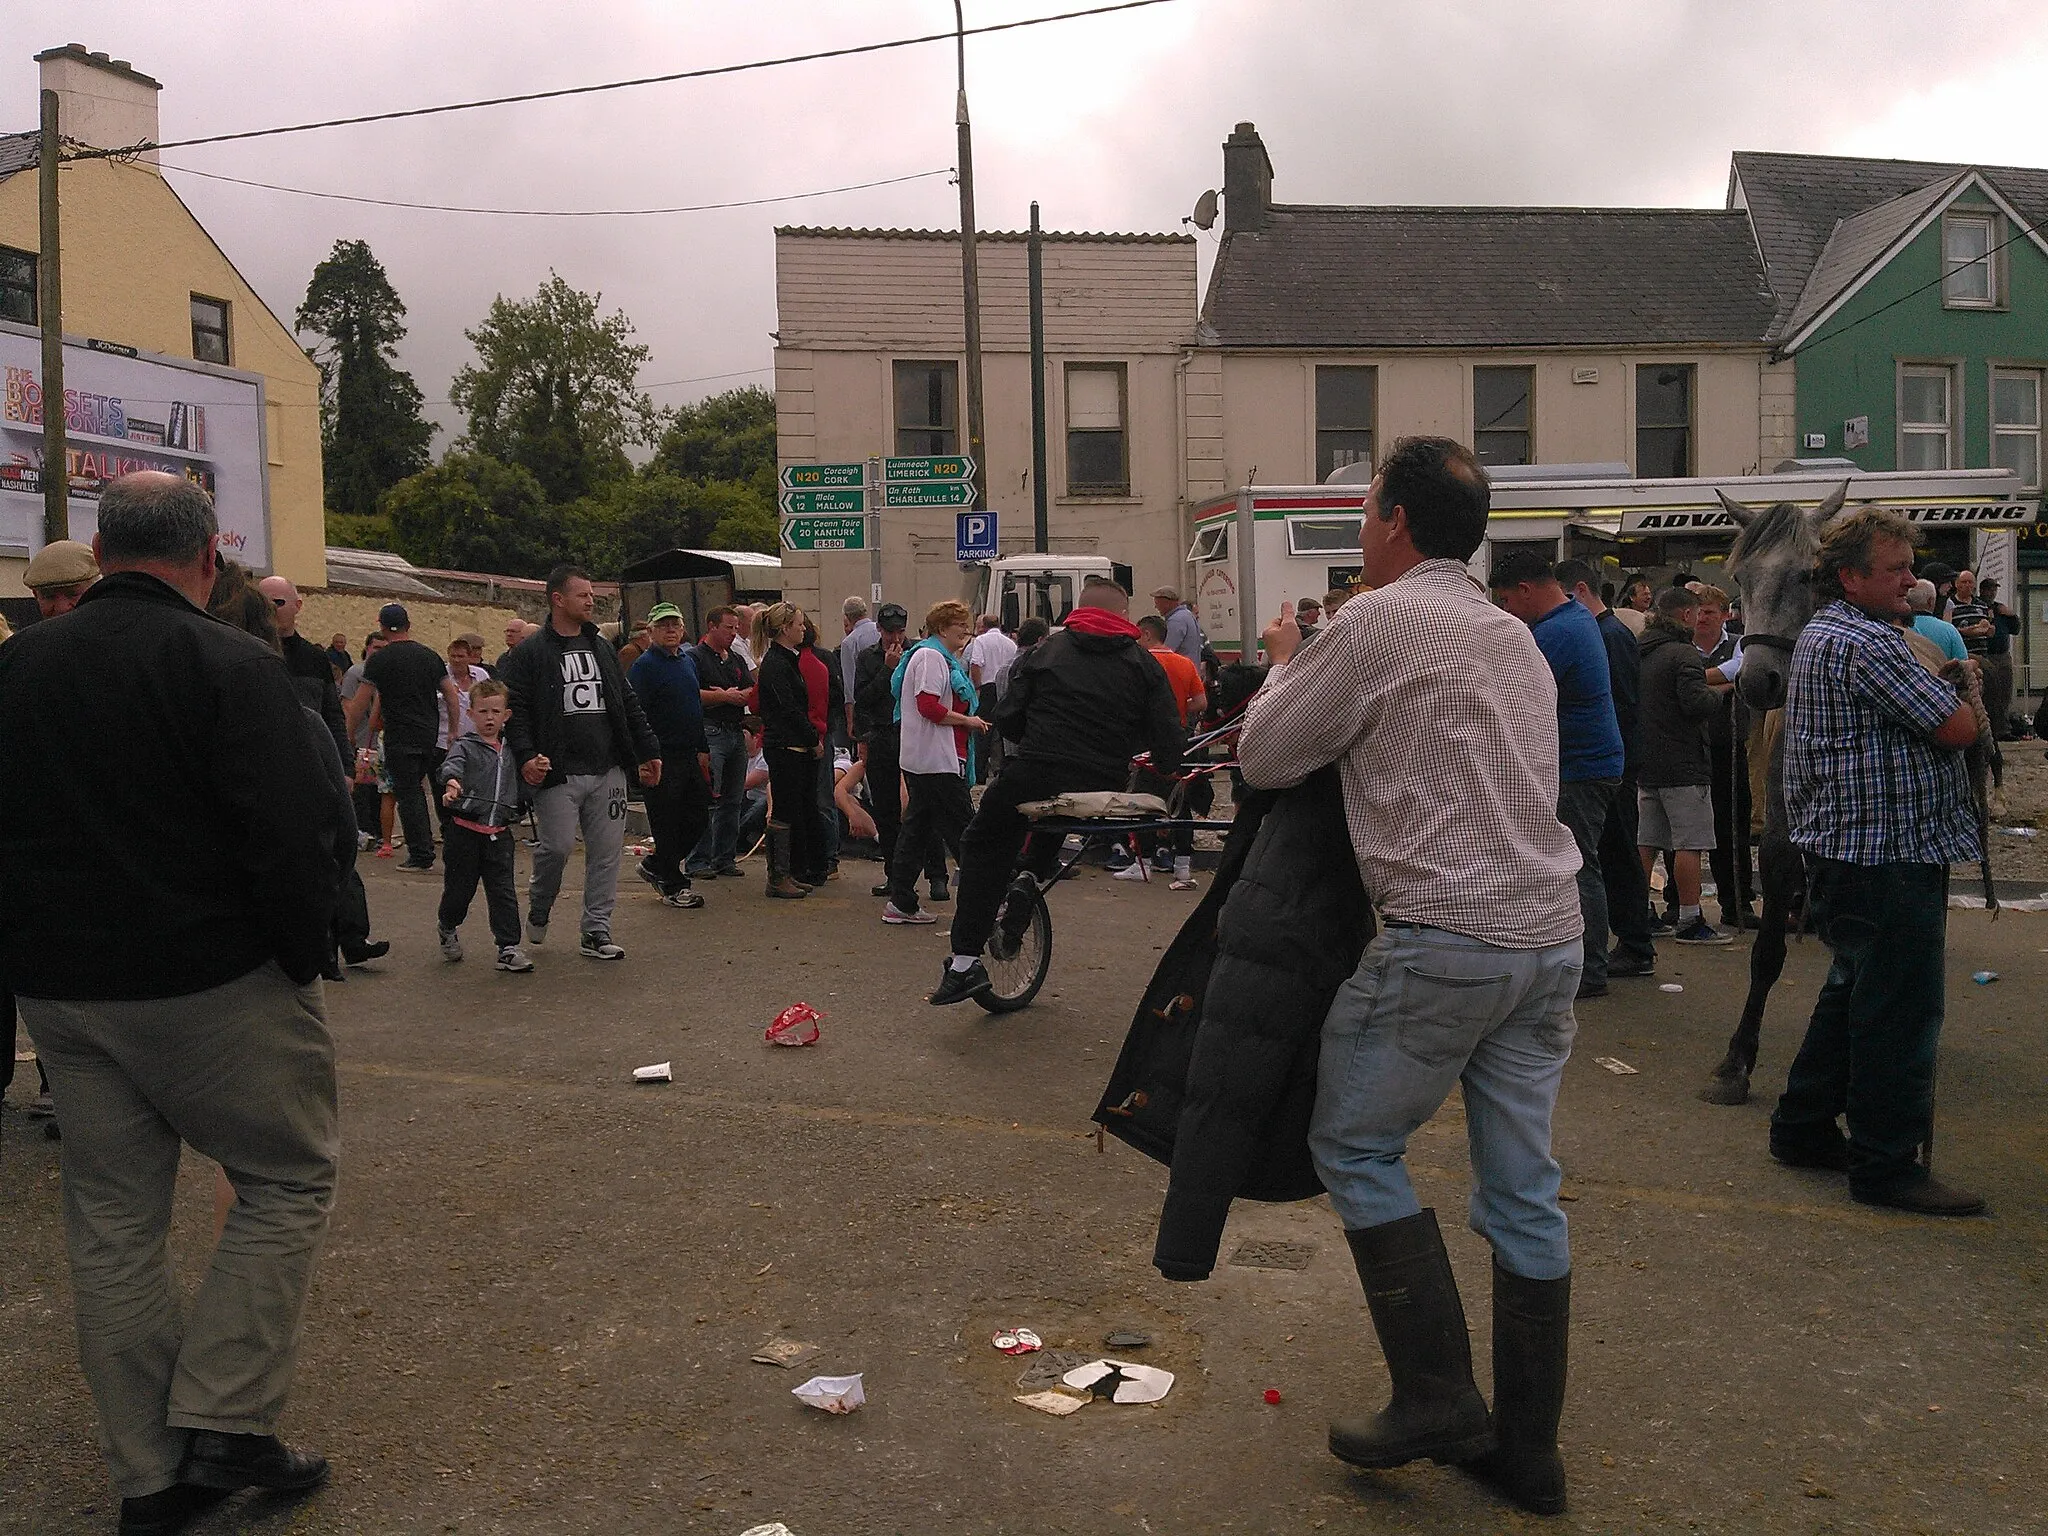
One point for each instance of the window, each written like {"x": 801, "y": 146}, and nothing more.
{"x": 1969, "y": 275}
{"x": 1346, "y": 402}
{"x": 1211, "y": 544}
{"x": 927, "y": 408}
{"x": 2016, "y": 424}
{"x": 17, "y": 285}
{"x": 1500, "y": 414}
{"x": 1096, "y": 462}
{"x": 209, "y": 329}
{"x": 1924, "y": 417}
{"x": 1322, "y": 535}
{"x": 1664, "y": 420}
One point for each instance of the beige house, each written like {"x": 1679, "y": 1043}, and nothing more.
{"x": 140, "y": 271}
{"x": 869, "y": 360}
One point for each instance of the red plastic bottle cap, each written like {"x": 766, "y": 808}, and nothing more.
{"x": 1272, "y": 1394}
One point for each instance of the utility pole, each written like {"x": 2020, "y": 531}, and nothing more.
{"x": 1041, "y": 533}
{"x": 50, "y": 314}
{"x": 970, "y": 271}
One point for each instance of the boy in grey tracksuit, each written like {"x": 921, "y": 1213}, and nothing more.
{"x": 481, "y": 791}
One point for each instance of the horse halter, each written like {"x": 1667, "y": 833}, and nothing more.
{"x": 1773, "y": 642}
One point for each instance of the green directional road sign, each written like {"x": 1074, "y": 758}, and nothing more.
{"x": 929, "y": 493}
{"x": 824, "y": 533}
{"x": 800, "y": 477}
{"x": 907, "y": 471}
{"x": 812, "y": 503}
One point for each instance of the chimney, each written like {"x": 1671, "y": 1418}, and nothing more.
{"x": 1247, "y": 180}
{"x": 104, "y": 102}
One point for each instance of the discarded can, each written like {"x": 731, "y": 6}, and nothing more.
{"x": 1017, "y": 1341}
{"x": 1984, "y": 978}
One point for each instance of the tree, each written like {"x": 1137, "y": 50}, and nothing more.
{"x": 555, "y": 390}
{"x": 472, "y": 513}
{"x": 371, "y": 432}
{"x": 724, "y": 437}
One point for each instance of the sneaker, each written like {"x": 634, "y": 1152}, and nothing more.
{"x": 891, "y": 915}
{"x": 725, "y": 871}
{"x": 1660, "y": 925}
{"x": 645, "y": 873}
{"x": 536, "y": 931}
{"x": 374, "y": 949}
{"x": 451, "y": 944}
{"x": 1700, "y": 931}
{"x": 685, "y": 898}
{"x": 365, "y": 841}
{"x": 1162, "y": 861}
{"x": 513, "y": 959}
{"x": 417, "y": 867}
{"x": 1117, "y": 857}
{"x": 599, "y": 946}
{"x": 879, "y": 890}
{"x": 958, "y": 986}
{"x": 1591, "y": 989}
{"x": 1183, "y": 883}
{"x": 1622, "y": 964}
{"x": 1135, "y": 870}
{"x": 42, "y": 1106}
{"x": 940, "y": 891}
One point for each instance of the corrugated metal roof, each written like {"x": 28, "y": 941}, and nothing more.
{"x": 818, "y": 232}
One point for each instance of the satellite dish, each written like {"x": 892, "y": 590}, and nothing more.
{"x": 1204, "y": 215}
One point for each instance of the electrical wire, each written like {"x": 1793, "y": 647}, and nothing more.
{"x": 619, "y": 85}
{"x": 559, "y": 213}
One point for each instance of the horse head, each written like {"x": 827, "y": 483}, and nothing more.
{"x": 1773, "y": 564}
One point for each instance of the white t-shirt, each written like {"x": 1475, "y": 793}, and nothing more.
{"x": 476, "y": 675}
{"x": 993, "y": 652}
{"x": 925, "y": 747}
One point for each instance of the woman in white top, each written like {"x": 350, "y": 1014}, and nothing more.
{"x": 936, "y": 703}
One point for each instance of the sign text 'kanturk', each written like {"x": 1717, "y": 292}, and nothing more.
{"x": 824, "y": 533}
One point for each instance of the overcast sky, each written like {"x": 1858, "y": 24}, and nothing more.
{"x": 1112, "y": 123}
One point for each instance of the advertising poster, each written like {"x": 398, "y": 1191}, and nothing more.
{"x": 125, "y": 411}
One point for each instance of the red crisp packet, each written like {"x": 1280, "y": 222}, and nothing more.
{"x": 795, "y": 1025}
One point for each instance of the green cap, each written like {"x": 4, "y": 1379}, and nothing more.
{"x": 662, "y": 611}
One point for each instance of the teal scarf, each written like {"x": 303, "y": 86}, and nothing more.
{"x": 963, "y": 688}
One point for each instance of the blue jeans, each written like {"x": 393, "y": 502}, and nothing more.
{"x": 719, "y": 847}
{"x": 1427, "y": 1010}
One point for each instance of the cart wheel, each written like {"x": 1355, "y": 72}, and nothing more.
{"x": 1017, "y": 958}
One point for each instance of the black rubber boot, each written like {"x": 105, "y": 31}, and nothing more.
{"x": 1436, "y": 1412}
{"x": 1531, "y": 1324}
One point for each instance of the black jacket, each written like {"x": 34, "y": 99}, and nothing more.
{"x": 874, "y": 706}
{"x": 1671, "y": 718}
{"x": 312, "y": 674}
{"x": 166, "y": 821}
{"x": 1624, "y": 680}
{"x": 533, "y": 673}
{"x": 1218, "y": 1075}
{"x": 1090, "y": 701}
{"x": 785, "y": 702}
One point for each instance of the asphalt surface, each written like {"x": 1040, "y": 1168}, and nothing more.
{"x": 542, "y": 1283}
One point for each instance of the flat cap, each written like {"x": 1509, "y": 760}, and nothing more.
{"x": 61, "y": 563}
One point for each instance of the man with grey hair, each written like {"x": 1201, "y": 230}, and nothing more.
{"x": 1944, "y": 634}
{"x": 860, "y": 634}
{"x": 1183, "y": 632}
{"x": 194, "y": 1017}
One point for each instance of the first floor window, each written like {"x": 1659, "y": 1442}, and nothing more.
{"x": 209, "y": 329}
{"x": 1969, "y": 266}
{"x": 17, "y": 285}
{"x": 1346, "y": 399}
{"x": 1097, "y": 463}
{"x": 1500, "y": 414}
{"x": 927, "y": 409}
{"x": 1664, "y": 420}
{"x": 1926, "y": 398}
{"x": 2016, "y": 424}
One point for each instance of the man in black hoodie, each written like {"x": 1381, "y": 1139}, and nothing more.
{"x": 1078, "y": 708}
{"x": 191, "y": 1013}
{"x": 1674, "y": 808}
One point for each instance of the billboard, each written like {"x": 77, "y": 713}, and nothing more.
{"x": 126, "y": 410}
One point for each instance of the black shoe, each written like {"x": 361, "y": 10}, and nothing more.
{"x": 1923, "y": 1197}
{"x": 330, "y": 969}
{"x": 879, "y": 890}
{"x": 1623, "y": 964}
{"x": 1592, "y": 989}
{"x": 939, "y": 891}
{"x": 1739, "y": 917}
{"x": 417, "y": 866}
{"x": 163, "y": 1514}
{"x": 646, "y": 872}
{"x": 958, "y": 986}
{"x": 1828, "y": 1156}
{"x": 376, "y": 949}
{"x": 221, "y": 1460}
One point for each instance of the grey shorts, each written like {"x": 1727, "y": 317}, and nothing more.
{"x": 1679, "y": 816}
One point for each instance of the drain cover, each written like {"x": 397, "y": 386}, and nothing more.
{"x": 1273, "y": 1255}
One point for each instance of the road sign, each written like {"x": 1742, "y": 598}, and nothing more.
{"x": 799, "y": 477}
{"x": 929, "y": 493}
{"x": 907, "y": 471}
{"x": 824, "y": 533}
{"x": 974, "y": 537}
{"x": 813, "y": 503}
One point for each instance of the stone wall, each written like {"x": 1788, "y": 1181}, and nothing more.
{"x": 434, "y": 623}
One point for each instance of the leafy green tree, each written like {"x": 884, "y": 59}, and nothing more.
{"x": 730, "y": 436}
{"x": 555, "y": 390}
{"x": 372, "y": 434}
{"x": 472, "y": 513}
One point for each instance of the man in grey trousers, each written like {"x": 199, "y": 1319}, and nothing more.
{"x": 576, "y": 730}
{"x": 193, "y": 1016}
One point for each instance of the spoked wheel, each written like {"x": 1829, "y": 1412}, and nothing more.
{"x": 1019, "y": 952}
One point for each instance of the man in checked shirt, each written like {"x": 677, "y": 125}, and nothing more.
{"x": 1878, "y": 800}
{"x": 1442, "y": 715}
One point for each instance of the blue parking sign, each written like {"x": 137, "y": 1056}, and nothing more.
{"x": 975, "y": 537}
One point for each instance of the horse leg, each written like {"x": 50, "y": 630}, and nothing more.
{"x": 1729, "y": 1083}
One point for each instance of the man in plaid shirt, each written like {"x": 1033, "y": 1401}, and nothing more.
{"x": 1879, "y": 801}
{"x": 1441, "y": 715}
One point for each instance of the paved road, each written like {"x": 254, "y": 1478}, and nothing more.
{"x": 543, "y": 1283}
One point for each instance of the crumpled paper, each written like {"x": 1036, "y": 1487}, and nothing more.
{"x": 833, "y": 1394}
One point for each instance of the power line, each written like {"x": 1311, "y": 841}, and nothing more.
{"x": 618, "y": 85}
{"x": 560, "y": 213}
{"x": 701, "y": 378}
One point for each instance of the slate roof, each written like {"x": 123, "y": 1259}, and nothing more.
{"x": 1487, "y": 277}
{"x": 1795, "y": 202}
{"x": 18, "y": 152}
{"x": 1858, "y": 242}
{"x": 1003, "y": 236}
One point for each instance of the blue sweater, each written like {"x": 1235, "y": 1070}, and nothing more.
{"x": 671, "y": 698}
{"x": 1588, "y": 739}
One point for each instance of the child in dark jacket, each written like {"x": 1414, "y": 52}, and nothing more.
{"x": 481, "y": 789}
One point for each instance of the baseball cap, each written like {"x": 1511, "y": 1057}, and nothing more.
{"x": 394, "y": 616}
{"x": 662, "y": 611}
{"x": 892, "y": 616}
{"x": 61, "y": 563}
